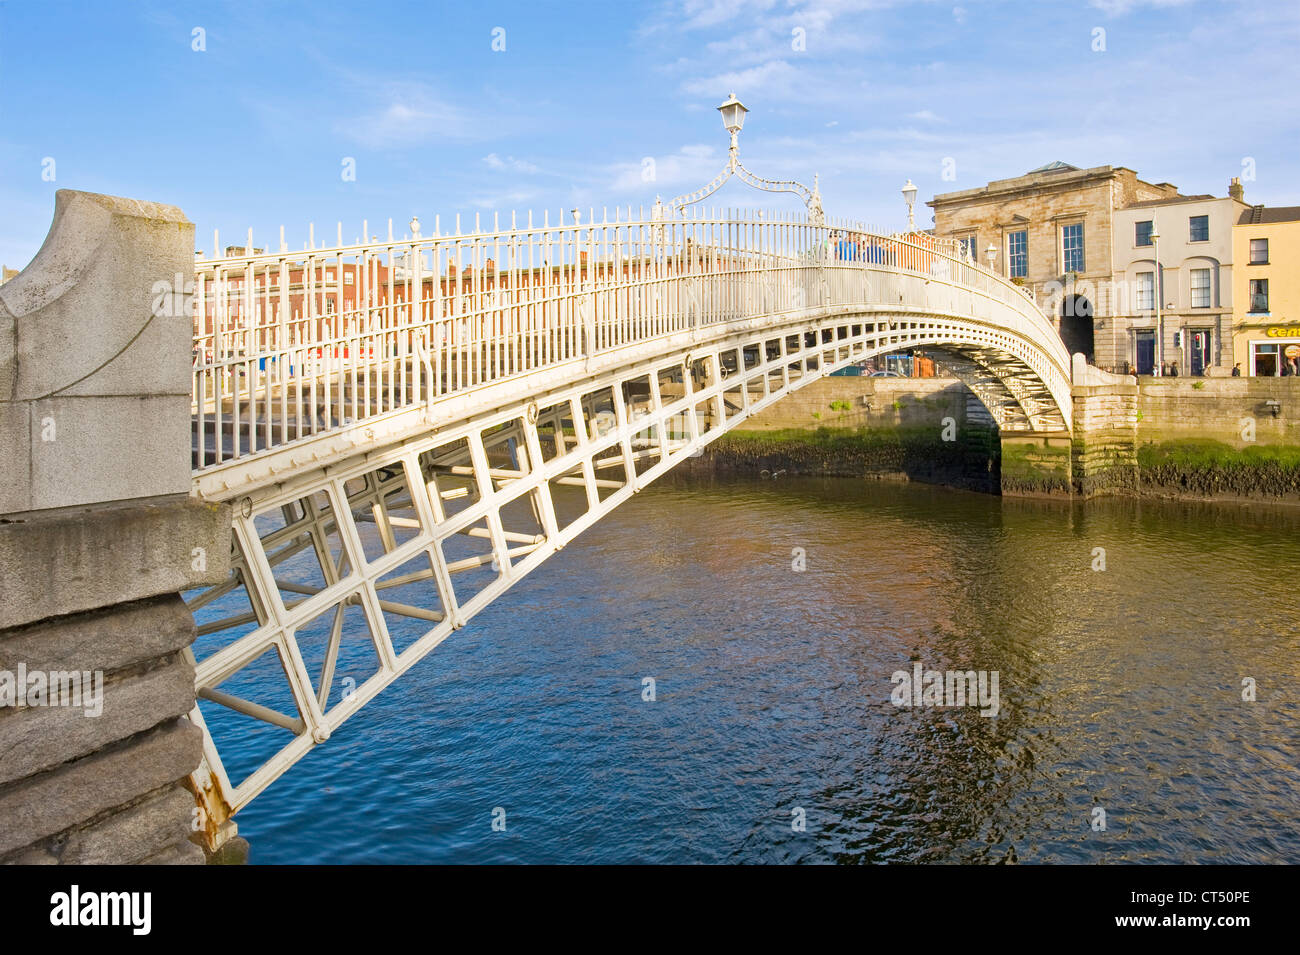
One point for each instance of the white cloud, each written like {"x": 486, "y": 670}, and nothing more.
{"x": 406, "y": 114}
{"x": 690, "y": 165}
{"x": 700, "y": 14}
{"x": 1116, "y": 8}
{"x": 510, "y": 163}
{"x": 926, "y": 115}
{"x": 511, "y": 197}
{"x": 773, "y": 77}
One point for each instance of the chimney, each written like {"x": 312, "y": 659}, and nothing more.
{"x": 489, "y": 266}
{"x": 1235, "y": 190}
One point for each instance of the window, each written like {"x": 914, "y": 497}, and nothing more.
{"x": 1146, "y": 292}
{"x": 1198, "y": 228}
{"x": 1018, "y": 254}
{"x": 1259, "y": 295}
{"x": 1072, "y": 247}
{"x": 1200, "y": 288}
{"x": 967, "y": 246}
{"x": 1143, "y": 233}
{"x": 1263, "y": 359}
{"x": 1259, "y": 251}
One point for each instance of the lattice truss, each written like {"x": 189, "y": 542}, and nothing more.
{"x": 1014, "y": 394}
{"x": 343, "y": 577}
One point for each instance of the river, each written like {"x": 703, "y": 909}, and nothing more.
{"x": 772, "y": 736}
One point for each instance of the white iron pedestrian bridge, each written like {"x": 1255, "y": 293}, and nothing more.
{"x": 407, "y": 427}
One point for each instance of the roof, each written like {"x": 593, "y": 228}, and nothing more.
{"x": 1058, "y": 174}
{"x": 1169, "y": 201}
{"x": 1261, "y": 214}
{"x": 1056, "y": 166}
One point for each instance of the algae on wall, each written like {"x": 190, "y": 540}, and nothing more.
{"x": 1206, "y": 467}
{"x": 970, "y": 460}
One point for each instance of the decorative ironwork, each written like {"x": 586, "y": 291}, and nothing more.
{"x": 811, "y": 197}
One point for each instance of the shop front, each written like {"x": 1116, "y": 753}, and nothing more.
{"x": 1272, "y": 350}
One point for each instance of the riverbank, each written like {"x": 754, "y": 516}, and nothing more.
{"x": 1198, "y": 440}
{"x": 1206, "y": 469}
{"x": 1203, "y": 470}
{"x": 969, "y": 461}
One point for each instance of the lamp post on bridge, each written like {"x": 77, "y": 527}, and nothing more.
{"x": 733, "y": 120}
{"x": 991, "y": 253}
{"x": 909, "y": 196}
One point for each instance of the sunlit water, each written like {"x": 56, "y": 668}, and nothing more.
{"x": 1119, "y": 688}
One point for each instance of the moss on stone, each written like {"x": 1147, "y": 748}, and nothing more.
{"x": 1208, "y": 468}
{"x": 919, "y": 453}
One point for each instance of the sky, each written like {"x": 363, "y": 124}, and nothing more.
{"x": 268, "y": 114}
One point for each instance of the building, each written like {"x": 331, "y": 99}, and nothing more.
{"x": 1052, "y": 231}
{"x": 7, "y": 273}
{"x": 1194, "y": 238}
{"x": 1266, "y": 289}
{"x": 1080, "y": 241}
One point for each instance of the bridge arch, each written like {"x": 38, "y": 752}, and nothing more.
{"x": 398, "y": 465}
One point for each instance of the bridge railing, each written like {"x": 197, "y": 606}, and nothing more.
{"x": 288, "y": 345}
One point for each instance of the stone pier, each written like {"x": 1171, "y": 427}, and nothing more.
{"x": 98, "y": 537}
{"x": 1036, "y": 463}
{"x": 1104, "y": 454}
{"x": 1098, "y": 457}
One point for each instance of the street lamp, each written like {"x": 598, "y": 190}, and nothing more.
{"x": 1156, "y": 292}
{"x": 992, "y": 253}
{"x": 909, "y": 196}
{"x": 733, "y": 117}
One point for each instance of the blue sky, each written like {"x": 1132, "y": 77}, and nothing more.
{"x": 254, "y": 129}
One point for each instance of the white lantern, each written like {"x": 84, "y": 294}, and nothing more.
{"x": 909, "y": 194}
{"x": 733, "y": 114}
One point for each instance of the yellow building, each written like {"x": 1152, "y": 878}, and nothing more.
{"x": 1266, "y": 290}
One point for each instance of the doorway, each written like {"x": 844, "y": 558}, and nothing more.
{"x": 1145, "y": 351}
{"x": 1076, "y": 325}
{"x": 1198, "y": 350}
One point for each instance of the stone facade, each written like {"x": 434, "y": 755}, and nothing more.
{"x": 98, "y": 536}
{"x": 1103, "y": 447}
{"x": 846, "y": 401}
{"x": 1042, "y": 204}
{"x": 1242, "y": 413}
{"x": 1096, "y": 307}
{"x": 1196, "y": 321}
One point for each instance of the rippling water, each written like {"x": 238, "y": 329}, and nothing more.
{"x": 1119, "y": 688}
